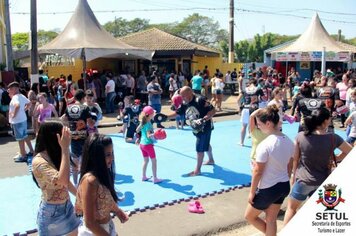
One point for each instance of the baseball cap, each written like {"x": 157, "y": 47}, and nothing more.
{"x": 148, "y": 110}
{"x": 13, "y": 84}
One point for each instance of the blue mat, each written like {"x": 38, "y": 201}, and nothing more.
{"x": 176, "y": 157}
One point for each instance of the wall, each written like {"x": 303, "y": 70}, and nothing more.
{"x": 99, "y": 64}
{"x": 114, "y": 65}
{"x": 214, "y": 63}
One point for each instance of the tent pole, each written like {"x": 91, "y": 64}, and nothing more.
{"x": 84, "y": 70}
{"x": 323, "y": 62}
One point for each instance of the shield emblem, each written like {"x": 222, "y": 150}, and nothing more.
{"x": 330, "y": 196}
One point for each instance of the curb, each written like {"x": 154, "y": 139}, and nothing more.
{"x": 119, "y": 123}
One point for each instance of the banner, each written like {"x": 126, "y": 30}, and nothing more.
{"x": 331, "y": 210}
{"x": 311, "y": 56}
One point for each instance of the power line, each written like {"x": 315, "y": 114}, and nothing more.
{"x": 327, "y": 12}
{"x": 202, "y": 9}
{"x": 287, "y": 14}
{"x": 128, "y": 10}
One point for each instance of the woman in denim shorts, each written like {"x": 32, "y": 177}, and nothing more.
{"x": 314, "y": 148}
{"x": 51, "y": 171}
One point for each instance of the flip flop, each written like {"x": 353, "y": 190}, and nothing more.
{"x": 195, "y": 207}
{"x": 157, "y": 181}
{"x": 146, "y": 178}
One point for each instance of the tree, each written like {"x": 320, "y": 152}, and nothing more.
{"x": 258, "y": 50}
{"x": 121, "y": 27}
{"x": 20, "y": 41}
{"x": 224, "y": 49}
{"x": 166, "y": 27}
{"x": 241, "y": 51}
{"x": 201, "y": 30}
{"x": 44, "y": 37}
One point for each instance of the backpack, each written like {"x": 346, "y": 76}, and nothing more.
{"x": 5, "y": 98}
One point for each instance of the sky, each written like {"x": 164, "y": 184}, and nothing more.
{"x": 251, "y": 16}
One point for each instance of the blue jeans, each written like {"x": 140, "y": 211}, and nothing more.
{"x": 109, "y": 102}
{"x": 156, "y": 107}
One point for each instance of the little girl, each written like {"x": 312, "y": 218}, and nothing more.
{"x": 146, "y": 143}
{"x": 44, "y": 110}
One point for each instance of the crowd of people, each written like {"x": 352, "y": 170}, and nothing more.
{"x": 73, "y": 145}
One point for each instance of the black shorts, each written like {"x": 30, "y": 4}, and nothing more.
{"x": 203, "y": 141}
{"x": 130, "y": 131}
{"x": 196, "y": 91}
{"x": 272, "y": 195}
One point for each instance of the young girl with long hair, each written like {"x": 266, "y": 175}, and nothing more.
{"x": 314, "y": 149}
{"x": 146, "y": 143}
{"x": 270, "y": 176}
{"x": 96, "y": 195}
{"x": 45, "y": 109}
{"x": 51, "y": 172}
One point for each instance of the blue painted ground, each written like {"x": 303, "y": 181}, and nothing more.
{"x": 19, "y": 198}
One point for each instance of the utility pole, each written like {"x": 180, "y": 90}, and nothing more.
{"x": 9, "y": 57}
{"x": 231, "y": 32}
{"x": 34, "y": 51}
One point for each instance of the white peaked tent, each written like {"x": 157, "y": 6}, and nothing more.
{"x": 83, "y": 37}
{"x": 313, "y": 39}
{"x": 315, "y": 44}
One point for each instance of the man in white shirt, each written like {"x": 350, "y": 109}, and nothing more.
{"x": 18, "y": 120}
{"x": 109, "y": 94}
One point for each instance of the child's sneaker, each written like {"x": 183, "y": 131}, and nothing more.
{"x": 20, "y": 159}
{"x": 29, "y": 154}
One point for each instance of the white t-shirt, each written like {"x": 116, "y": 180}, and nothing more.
{"x": 353, "y": 126}
{"x": 21, "y": 114}
{"x": 219, "y": 84}
{"x": 275, "y": 151}
{"x": 110, "y": 86}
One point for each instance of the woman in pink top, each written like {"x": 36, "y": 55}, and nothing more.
{"x": 343, "y": 87}
{"x": 44, "y": 110}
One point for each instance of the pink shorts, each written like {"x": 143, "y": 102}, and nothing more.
{"x": 148, "y": 150}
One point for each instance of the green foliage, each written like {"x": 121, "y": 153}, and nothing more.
{"x": 247, "y": 51}
{"x": 20, "y": 41}
{"x": 44, "y": 37}
{"x": 121, "y": 27}
{"x": 166, "y": 27}
{"x": 351, "y": 41}
{"x": 201, "y": 29}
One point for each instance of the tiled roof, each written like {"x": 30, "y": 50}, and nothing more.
{"x": 158, "y": 40}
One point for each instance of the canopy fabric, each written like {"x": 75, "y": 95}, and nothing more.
{"x": 84, "y": 36}
{"x": 313, "y": 40}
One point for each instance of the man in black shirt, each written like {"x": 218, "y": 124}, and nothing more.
{"x": 199, "y": 113}
{"x": 77, "y": 115}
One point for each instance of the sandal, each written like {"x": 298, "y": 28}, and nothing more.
{"x": 195, "y": 207}
{"x": 146, "y": 178}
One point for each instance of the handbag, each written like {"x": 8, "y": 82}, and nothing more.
{"x": 332, "y": 161}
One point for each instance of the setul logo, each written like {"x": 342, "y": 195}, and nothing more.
{"x": 330, "y": 198}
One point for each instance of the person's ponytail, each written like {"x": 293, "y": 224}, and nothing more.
{"x": 316, "y": 119}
